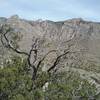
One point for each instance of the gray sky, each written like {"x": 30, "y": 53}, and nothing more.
{"x": 51, "y": 9}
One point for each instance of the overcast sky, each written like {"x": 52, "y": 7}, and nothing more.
{"x": 51, "y": 9}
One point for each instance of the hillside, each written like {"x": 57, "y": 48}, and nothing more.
{"x": 85, "y": 35}
{"x": 80, "y": 37}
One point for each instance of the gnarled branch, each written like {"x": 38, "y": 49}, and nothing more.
{"x": 57, "y": 61}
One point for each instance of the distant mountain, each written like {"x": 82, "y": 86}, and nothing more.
{"x": 80, "y": 37}
{"x": 84, "y": 36}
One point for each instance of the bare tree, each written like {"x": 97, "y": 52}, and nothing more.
{"x": 34, "y": 49}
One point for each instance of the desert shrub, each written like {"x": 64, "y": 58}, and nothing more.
{"x": 15, "y": 84}
{"x": 67, "y": 85}
{"x": 14, "y": 80}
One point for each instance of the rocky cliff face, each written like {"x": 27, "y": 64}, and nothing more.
{"x": 84, "y": 36}
{"x": 81, "y": 37}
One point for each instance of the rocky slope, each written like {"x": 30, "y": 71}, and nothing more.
{"x": 84, "y": 36}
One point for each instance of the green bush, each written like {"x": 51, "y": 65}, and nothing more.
{"x": 14, "y": 80}
{"x": 15, "y": 84}
{"x": 67, "y": 85}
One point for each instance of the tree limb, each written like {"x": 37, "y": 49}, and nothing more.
{"x": 39, "y": 63}
{"x": 9, "y": 44}
{"x": 57, "y": 61}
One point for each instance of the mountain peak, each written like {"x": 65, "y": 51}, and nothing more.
{"x": 14, "y": 17}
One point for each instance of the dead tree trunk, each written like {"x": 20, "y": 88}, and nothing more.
{"x": 34, "y": 49}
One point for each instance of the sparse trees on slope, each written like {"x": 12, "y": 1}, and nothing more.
{"x": 37, "y": 78}
{"x": 33, "y": 52}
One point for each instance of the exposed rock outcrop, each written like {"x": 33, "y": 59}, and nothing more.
{"x": 84, "y": 35}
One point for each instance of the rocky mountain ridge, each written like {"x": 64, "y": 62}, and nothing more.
{"x": 84, "y": 35}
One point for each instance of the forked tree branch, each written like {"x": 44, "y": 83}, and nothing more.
{"x": 34, "y": 49}
{"x": 39, "y": 63}
{"x": 57, "y": 60}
